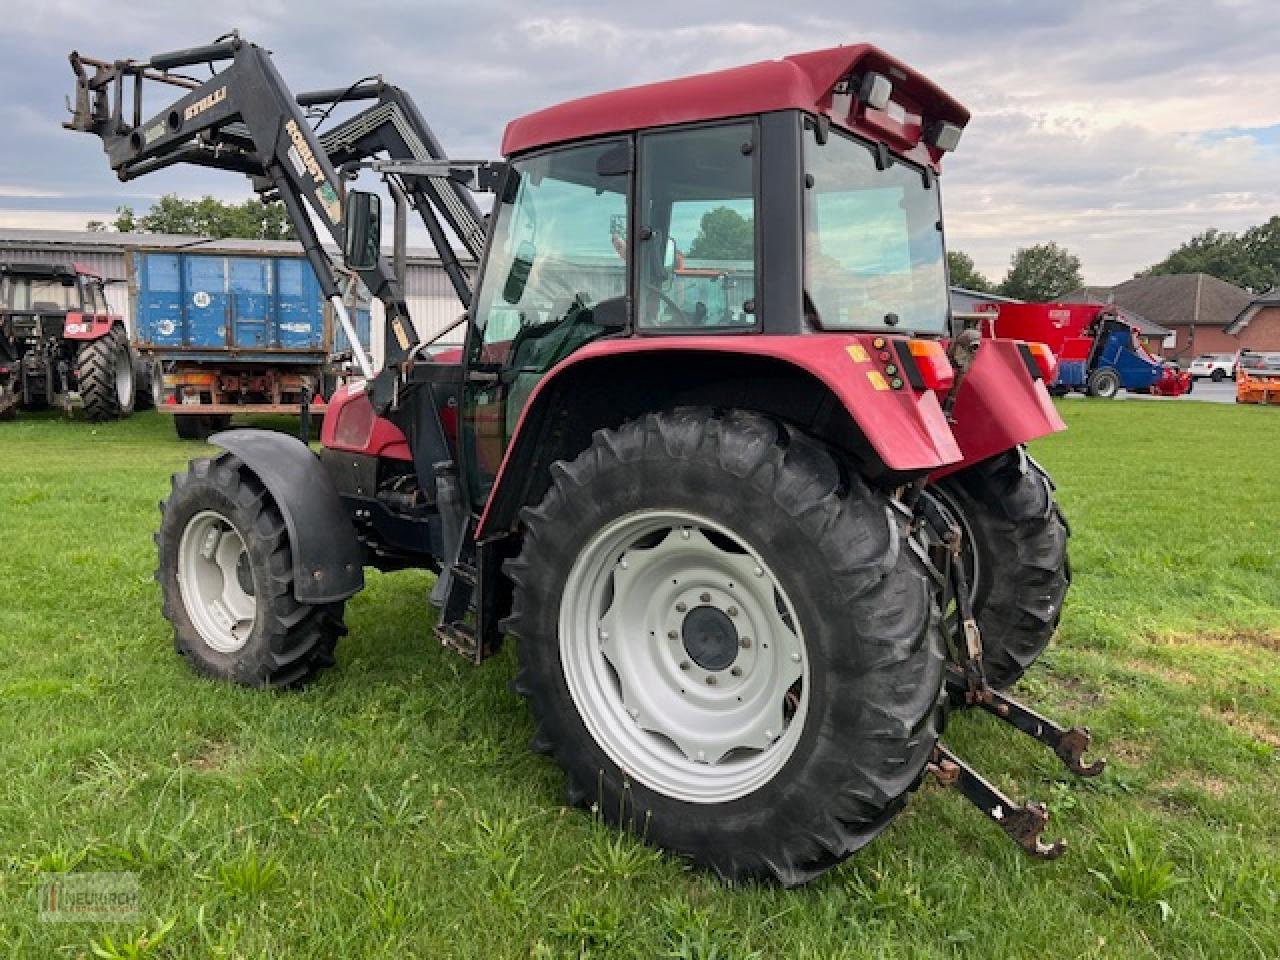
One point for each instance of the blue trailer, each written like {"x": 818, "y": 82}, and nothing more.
{"x": 232, "y": 333}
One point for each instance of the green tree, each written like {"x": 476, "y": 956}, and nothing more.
{"x": 207, "y": 217}
{"x": 1250, "y": 259}
{"x": 723, "y": 234}
{"x": 1044, "y": 271}
{"x": 962, "y": 273}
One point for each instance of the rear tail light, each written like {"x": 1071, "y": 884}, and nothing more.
{"x": 1045, "y": 360}
{"x": 930, "y": 361}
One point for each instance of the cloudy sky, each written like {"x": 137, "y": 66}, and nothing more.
{"x": 1118, "y": 128}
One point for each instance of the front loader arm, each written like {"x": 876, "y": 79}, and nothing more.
{"x": 244, "y": 119}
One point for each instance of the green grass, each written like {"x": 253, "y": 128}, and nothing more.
{"x": 393, "y": 810}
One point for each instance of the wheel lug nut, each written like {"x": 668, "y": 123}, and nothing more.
{"x": 736, "y": 671}
{"x": 759, "y": 571}
{"x": 672, "y": 635}
{"x": 711, "y": 681}
{"x": 684, "y": 664}
{"x": 745, "y": 643}
{"x": 795, "y": 658}
{"x": 684, "y": 533}
{"x": 732, "y": 611}
{"x": 681, "y": 608}
{"x": 705, "y": 598}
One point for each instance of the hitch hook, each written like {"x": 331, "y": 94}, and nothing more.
{"x": 1023, "y": 824}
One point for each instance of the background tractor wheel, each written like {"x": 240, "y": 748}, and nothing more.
{"x": 1015, "y": 557}
{"x": 1218, "y": 376}
{"x": 104, "y": 376}
{"x": 729, "y": 644}
{"x": 1104, "y": 382}
{"x": 199, "y": 426}
{"x": 226, "y": 574}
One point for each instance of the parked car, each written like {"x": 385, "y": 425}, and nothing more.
{"x": 1216, "y": 366}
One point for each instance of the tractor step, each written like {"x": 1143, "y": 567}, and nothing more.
{"x": 1023, "y": 824}
{"x": 1068, "y": 744}
{"x": 461, "y": 638}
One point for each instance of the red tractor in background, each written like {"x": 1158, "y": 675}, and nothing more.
{"x": 61, "y": 346}
{"x": 752, "y": 555}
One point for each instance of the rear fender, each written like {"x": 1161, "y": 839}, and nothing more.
{"x": 905, "y": 430}
{"x": 328, "y": 561}
{"x": 1003, "y": 402}
{"x": 88, "y": 326}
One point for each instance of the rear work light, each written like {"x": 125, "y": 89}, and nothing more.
{"x": 1045, "y": 360}
{"x": 925, "y": 364}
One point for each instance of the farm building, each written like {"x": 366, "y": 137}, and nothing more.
{"x": 1206, "y": 315}
{"x": 432, "y": 302}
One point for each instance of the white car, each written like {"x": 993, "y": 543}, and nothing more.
{"x": 1216, "y": 366}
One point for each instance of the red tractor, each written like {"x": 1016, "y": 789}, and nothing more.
{"x": 61, "y": 346}
{"x": 752, "y": 555}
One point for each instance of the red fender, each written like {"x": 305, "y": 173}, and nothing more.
{"x": 88, "y": 326}
{"x": 906, "y": 428}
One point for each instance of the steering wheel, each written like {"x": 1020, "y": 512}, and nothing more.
{"x": 684, "y": 320}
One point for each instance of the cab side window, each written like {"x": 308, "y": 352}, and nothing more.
{"x": 697, "y": 223}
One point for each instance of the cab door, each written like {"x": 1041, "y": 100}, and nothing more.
{"x": 555, "y": 279}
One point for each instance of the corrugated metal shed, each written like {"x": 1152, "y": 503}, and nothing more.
{"x": 432, "y": 302}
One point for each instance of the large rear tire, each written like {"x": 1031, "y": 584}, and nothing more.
{"x": 105, "y": 378}
{"x": 226, "y": 574}
{"x": 1015, "y": 558}
{"x": 729, "y": 644}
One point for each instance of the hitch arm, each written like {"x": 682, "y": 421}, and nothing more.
{"x": 1023, "y": 824}
{"x": 1069, "y": 744}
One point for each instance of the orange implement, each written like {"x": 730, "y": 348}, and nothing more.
{"x": 1258, "y": 378}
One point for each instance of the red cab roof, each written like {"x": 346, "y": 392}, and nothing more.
{"x": 803, "y": 81}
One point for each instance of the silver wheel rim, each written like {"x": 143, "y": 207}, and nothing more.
{"x": 679, "y": 702}
{"x": 215, "y": 581}
{"x": 124, "y": 378}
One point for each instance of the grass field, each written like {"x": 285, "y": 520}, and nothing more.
{"x": 392, "y": 810}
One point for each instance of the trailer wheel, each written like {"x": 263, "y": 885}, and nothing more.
{"x": 226, "y": 574}
{"x": 104, "y": 376}
{"x": 199, "y": 426}
{"x": 1104, "y": 382}
{"x": 1015, "y": 557}
{"x": 1218, "y": 376}
{"x": 730, "y": 647}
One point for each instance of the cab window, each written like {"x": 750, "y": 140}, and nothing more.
{"x": 697, "y": 227}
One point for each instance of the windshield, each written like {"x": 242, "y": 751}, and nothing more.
{"x": 873, "y": 241}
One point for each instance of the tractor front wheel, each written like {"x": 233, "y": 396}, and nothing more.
{"x": 1015, "y": 557}
{"x": 729, "y": 643}
{"x": 226, "y": 574}
{"x": 104, "y": 376}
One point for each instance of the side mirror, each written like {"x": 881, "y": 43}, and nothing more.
{"x": 363, "y": 216}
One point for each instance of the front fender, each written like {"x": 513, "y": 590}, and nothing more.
{"x": 328, "y": 562}
{"x": 906, "y": 429}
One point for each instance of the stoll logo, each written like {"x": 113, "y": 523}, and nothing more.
{"x": 204, "y": 103}
{"x": 67, "y": 897}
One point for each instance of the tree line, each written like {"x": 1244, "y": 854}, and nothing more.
{"x": 1249, "y": 259}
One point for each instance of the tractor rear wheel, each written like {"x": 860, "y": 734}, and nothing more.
{"x": 1015, "y": 557}
{"x": 729, "y": 644}
{"x": 104, "y": 376}
{"x": 226, "y": 574}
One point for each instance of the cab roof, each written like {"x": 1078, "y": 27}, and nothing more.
{"x": 803, "y": 81}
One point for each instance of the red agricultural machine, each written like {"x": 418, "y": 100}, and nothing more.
{"x": 753, "y": 555}
{"x": 1098, "y": 347}
{"x": 61, "y": 346}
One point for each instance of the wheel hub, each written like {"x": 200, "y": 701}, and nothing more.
{"x": 681, "y": 652}
{"x": 710, "y": 638}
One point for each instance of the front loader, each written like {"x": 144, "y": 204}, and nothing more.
{"x": 753, "y": 551}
